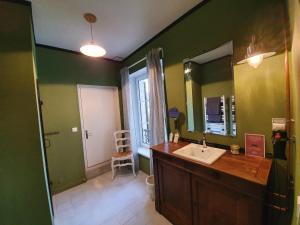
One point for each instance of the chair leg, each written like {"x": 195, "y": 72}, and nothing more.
{"x": 112, "y": 169}
{"x": 133, "y": 169}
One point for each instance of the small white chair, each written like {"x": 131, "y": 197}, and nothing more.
{"x": 123, "y": 155}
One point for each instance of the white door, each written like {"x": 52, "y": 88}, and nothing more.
{"x": 100, "y": 118}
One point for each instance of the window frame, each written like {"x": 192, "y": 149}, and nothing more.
{"x": 139, "y": 101}
{"x": 134, "y": 79}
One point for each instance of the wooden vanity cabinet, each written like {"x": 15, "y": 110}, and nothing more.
{"x": 191, "y": 194}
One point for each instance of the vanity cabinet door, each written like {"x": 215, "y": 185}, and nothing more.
{"x": 174, "y": 194}
{"x": 215, "y": 204}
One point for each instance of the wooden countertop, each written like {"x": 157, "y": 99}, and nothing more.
{"x": 253, "y": 169}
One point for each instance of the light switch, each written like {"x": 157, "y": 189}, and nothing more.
{"x": 74, "y": 129}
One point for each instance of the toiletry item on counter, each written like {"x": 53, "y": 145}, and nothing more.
{"x": 171, "y": 137}
{"x": 176, "y": 138}
{"x": 235, "y": 149}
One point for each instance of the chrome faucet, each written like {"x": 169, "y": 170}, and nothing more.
{"x": 204, "y": 141}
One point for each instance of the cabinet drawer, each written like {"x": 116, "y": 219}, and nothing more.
{"x": 169, "y": 159}
{"x": 220, "y": 178}
{"x": 227, "y": 180}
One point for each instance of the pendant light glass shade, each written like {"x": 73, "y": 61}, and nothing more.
{"x": 92, "y": 49}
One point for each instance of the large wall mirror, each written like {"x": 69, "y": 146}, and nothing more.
{"x": 209, "y": 88}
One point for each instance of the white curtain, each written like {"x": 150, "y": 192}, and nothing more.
{"x": 127, "y": 112}
{"x": 157, "y": 100}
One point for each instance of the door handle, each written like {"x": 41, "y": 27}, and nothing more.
{"x": 87, "y": 134}
{"x": 52, "y": 133}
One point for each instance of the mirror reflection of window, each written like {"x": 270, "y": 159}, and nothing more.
{"x": 139, "y": 88}
{"x": 143, "y": 89}
{"x": 210, "y": 101}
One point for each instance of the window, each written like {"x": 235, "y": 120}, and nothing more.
{"x": 139, "y": 86}
{"x": 144, "y": 113}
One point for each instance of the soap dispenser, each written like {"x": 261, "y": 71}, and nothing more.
{"x": 176, "y": 137}
{"x": 171, "y": 137}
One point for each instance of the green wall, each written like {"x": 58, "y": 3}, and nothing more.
{"x": 294, "y": 10}
{"x": 23, "y": 189}
{"x": 65, "y": 154}
{"x": 216, "y": 78}
{"x": 260, "y": 96}
{"x": 260, "y": 93}
{"x": 60, "y": 67}
{"x": 144, "y": 164}
{"x": 212, "y": 79}
{"x": 210, "y": 26}
{"x": 59, "y": 73}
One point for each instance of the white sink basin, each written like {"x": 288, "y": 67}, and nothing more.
{"x": 196, "y": 152}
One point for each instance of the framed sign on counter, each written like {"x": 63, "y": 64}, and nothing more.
{"x": 255, "y": 145}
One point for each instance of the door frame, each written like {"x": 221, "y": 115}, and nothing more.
{"x": 116, "y": 89}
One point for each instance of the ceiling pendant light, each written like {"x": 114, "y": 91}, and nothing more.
{"x": 92, "y": 49}
{"x": 254, "y": 57}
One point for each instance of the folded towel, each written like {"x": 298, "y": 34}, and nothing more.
{"x": 214, "y": 118}
{"x": 213, "y": 106}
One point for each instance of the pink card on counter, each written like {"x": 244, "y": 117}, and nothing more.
{"x": 255, "y": 145}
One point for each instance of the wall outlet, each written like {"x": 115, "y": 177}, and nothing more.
{"x": 74, "y": 129}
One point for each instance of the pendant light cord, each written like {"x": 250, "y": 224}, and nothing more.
{"x": 92, "y": 33}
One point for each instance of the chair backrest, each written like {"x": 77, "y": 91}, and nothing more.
{"x": 122, "y": 140}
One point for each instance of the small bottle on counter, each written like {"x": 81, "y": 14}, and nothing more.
{"x": 176, "y": 138}
{"x": 171, "y": 137}
{"x": 235, "y": 149}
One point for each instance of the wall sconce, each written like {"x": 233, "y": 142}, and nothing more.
{"x": 188, "y": 70}
{"x": 253, "y": 57}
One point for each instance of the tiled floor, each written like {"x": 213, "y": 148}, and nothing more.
{"x": 101, "y": 201}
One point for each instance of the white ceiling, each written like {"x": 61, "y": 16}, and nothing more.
{"x": 122, "y": 26}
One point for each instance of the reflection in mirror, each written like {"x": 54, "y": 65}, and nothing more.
{"x": 210, "y": 100}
